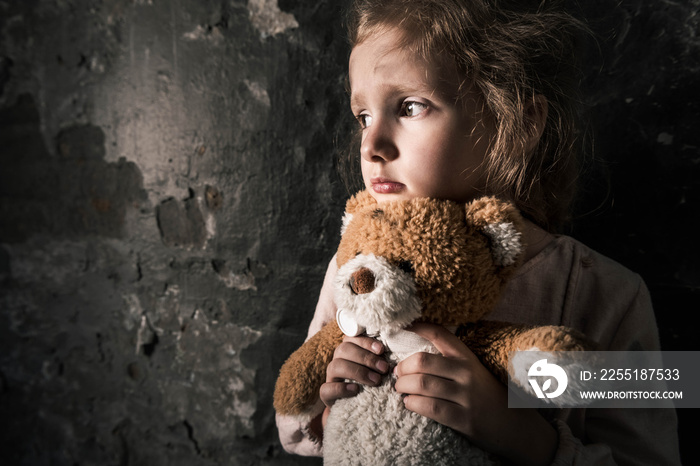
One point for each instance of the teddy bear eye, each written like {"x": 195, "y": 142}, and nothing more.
{"x": 406, "y": 266}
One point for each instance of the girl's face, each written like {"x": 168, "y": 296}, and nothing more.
{"x": 417, "y": 141}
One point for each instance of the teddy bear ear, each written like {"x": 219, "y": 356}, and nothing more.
{"x": 359, "y": 201}
{"x": 506, "y": 243}
{"x": 356, "y": 203}
{"x": 347, "y": 218}
{"x": 501, "y": 222}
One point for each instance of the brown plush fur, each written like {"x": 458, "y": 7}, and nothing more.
{"x": 455, "y": 274}
{"x": 294, "y": 396}
{"x": 492, "y": 342}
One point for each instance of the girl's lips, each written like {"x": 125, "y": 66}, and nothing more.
{"x": 385, "y": 186}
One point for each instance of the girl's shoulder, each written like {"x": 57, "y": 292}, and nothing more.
{"x": 568, "y": 283}
{"x": 565, "y": 259}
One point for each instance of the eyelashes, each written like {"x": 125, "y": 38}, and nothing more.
{"x": 412, "y": 108}
{"x": 364, "y": 120}
{"x": 408, "y": 109}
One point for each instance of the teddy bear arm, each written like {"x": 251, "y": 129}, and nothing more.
{"x": 492, "y": 342}
{"x": 301, "y": 376}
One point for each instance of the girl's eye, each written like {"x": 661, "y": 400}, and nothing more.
{"x": 411, "y": 109}
{"x": 364, "y": 120}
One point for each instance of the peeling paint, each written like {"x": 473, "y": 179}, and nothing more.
{"x": 268, "y": 19}
{"x": 244, "y": 281}
{"x": 208, "y": 34}
{"x": 241, "y": 281}
{"x": 133, "y": 309}
{"x": 258, "y": 91}
{"x": 210, "y": 225}
{"x": 145, "y": 335}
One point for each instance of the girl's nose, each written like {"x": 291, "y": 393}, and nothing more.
{"x": 378, "y": 143}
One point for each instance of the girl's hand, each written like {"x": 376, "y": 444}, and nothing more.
{"x": 456, "y": 390}
{"x": 356, "y": 358}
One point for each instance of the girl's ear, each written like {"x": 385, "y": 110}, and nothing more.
{"x": 535, "y": 117}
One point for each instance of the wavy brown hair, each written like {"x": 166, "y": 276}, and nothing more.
{"x": 511, "y": 52}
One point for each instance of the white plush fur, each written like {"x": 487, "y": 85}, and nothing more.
{"x": 347, "y": 218}
{"x": 505, "y": 242}
{"x": 392, "y": 305}
{"x": 374, "y": 428}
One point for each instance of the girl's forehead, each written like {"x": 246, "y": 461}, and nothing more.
{"x": 387, "y": 54}
{"x": 386, "y": 41}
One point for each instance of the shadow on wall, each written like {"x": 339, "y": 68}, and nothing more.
{"x": 77, "y": 193}
{"x": 159, "y": 250}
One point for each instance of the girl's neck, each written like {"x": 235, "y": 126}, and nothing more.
{"x": 535, "y": 239}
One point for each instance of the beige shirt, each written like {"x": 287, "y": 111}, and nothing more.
{"x": 565, "y": 284}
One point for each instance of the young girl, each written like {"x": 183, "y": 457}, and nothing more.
{"x": 456, "y": 99}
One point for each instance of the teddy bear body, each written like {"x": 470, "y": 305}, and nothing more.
{"x": 375, "y": 425}
{"x": 400, "y": 262}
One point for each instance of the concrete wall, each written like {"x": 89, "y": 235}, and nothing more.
{"x": 169, "y": 202}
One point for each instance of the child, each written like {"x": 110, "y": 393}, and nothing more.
{"x": 459, "y": 98}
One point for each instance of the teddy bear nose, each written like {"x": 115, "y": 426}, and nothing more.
{"x": 362, "y": 281}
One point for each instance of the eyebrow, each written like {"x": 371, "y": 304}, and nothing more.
{"x": 392, "y": 90}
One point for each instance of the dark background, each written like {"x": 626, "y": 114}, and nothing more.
{"x": 169, "y": 202}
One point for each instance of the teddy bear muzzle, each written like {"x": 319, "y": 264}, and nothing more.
{"x": 374, "y": 296}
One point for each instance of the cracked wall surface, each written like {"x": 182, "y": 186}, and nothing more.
{"x": 170, "y": 200}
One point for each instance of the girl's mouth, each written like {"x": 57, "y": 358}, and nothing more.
{"x": 386, "y": 186}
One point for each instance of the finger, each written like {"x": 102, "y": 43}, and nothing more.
{"x": 446, "y": 343}
{"x": 434, "y": 364}
{"x": 350, "y": 351}
{"x": 431, "y": 386}
{"x": 340, "y": 370}
{"x": 370, "y": 344}
{"x": 441, "y": 411}
{"x": 334, "y": 391}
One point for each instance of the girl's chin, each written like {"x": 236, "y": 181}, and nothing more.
{"x": 391, "y": 197}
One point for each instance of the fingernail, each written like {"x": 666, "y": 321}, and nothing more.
{"x": 374, "y": 377}
{"x": 377, "y": 347}
{"x": 352, "y": 387}
{"x": 383, "y": 366}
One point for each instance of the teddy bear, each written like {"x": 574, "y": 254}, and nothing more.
{"x": 400, "y": 262}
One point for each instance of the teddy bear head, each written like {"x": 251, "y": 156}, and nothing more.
{"x": 423, "y": 260}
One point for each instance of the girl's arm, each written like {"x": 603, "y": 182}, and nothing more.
{"x": 297, "y": 436}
